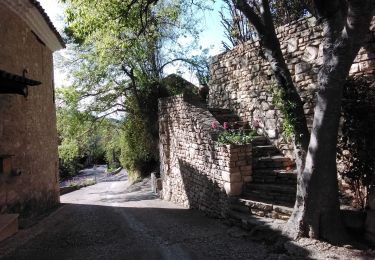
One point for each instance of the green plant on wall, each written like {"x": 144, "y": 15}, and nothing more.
{"x": 285, "y": 107}
{"x": 233, "y": 135}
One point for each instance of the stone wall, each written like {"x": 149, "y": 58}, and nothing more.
{"x": 196, "y": 171}
{"x": 27, "y": 125}
{"x": 242, "y": 80}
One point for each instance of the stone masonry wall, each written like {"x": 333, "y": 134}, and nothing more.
{"x": 27, "y": 125}
{"x": 241, "y": 80}
{"x": 197, "y": 172}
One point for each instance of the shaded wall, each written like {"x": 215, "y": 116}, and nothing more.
{"x": 196, "y": 171}
{"x": 27, "y": 125}
{"x": 243, "y": 81}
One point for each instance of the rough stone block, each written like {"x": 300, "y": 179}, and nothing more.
{"x": 302, "y": 67}
{"x": 311, "y": 53}
{"x": 233, "y": 189}
{"x": 246, "y": 168}
{"x": 241, "y": 163}
{"x": 292, "y": 45}
{"x": 248, "y": 178}
{"x": 231, "y": 177}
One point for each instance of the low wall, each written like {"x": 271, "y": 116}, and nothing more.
{"x": 241, "y": 80}
{"x": 196, "y": 171}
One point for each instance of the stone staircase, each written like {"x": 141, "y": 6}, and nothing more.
{"x": 272, "y": 191}
{"x": 224, "y": 115}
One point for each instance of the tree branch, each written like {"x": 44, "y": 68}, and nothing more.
{"x": 249, "y": 12}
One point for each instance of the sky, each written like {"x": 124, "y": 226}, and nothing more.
{"x": 212, "y": 36}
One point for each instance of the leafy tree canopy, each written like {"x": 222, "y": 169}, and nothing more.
{"x": 126, "y": 45}
{"x": 120, "y": 52}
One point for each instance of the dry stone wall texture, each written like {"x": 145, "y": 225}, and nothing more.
{"x": 27, "y": 125}
{"x": 196, "y": 171}
{"x": 241, "y": 80}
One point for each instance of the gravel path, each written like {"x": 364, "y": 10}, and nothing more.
{"x": 95, "y": 174}
{"x": 116, "y": 220}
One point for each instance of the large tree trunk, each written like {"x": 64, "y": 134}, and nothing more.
{"x": 317, "y": 210}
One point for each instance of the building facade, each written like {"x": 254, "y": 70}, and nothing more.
{"x": 28, "y": 136}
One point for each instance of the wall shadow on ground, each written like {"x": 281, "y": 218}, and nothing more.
{"x": 267, "y": 231}
{"x": 105, "y": 232}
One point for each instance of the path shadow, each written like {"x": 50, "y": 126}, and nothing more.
{"x": 104, "y": 232}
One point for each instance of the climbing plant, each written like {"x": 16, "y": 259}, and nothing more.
{"x": 285, "y": 107}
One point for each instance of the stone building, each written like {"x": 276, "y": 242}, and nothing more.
{"x": 28, "y": 136}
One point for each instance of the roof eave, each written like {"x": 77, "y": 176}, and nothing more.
{"x": 31, "y": 12}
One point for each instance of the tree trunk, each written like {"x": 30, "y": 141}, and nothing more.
{"x": 317, "y": 210}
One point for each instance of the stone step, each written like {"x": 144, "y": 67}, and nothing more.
{"x": 265, "y": 150}
{"x": 261, "y": 209}
{"x": 226, "y": 115}
{"x": 8, "y": 225}
{"x": 283, "y": 189}
{"x": 220, "y": 110}
{"x": 276, "y": 194}
{"x": 273, "y": 162}
{"x": 227, "y": 118}
{"x": 249, "y": 222}
{"x": 259, "y": 140}
{"x": 274, "y": 176}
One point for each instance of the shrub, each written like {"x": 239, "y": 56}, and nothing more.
{"x": 139, "y": 142}
{"x": 356, "y": 144}
{"x": 234, "y": 135}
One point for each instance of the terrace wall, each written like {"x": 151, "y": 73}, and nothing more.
{"x": 196, "y": 171}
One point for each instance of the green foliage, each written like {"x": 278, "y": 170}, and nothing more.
{"x": 69, "y": 168}
{"x": 139, "y": 142}
{"x": 281, "y": 102}
{"x": 82, "y": 137}
{"x": 110, "y": 132}
{"x": 138, "y": 154}
{"x": 238, "y": 133}
{"x": 356, "y": 143}
{"x": 286, "y": 11}
{"x": 238, "y": 137}
{"x": 82, "y": 184}
{"x": 120, "y": 50}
